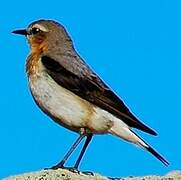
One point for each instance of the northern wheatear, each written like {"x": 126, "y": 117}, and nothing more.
{"x": 67, "y": 90}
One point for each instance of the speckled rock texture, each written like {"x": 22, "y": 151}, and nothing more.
{"x": 62, "y": 174}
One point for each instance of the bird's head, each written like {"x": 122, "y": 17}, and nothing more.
{"x": 46, "y": 35}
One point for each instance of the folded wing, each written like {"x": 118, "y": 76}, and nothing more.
{"x": 92, "y": 89}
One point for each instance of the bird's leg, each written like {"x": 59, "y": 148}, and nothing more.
{"x": 88, "y": 139}
{"x": 70, "y": 151}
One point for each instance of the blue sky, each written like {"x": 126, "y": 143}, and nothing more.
{"x": 135, "y": 46}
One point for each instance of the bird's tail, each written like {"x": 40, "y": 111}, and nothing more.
{"x": 127, "y": 134}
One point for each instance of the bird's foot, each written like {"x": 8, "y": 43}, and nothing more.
{"x": 72, "y": 169}
{"x": 88, "y": 173}
{"x": 57, "y": 166}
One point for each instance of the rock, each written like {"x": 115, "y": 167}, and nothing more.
{"x": 59, "y": 174}
{"x": 63, "y": 174}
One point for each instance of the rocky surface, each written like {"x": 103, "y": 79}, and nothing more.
{"x": 62, "y": 174}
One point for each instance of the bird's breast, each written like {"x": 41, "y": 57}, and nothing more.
{"x": 60, "y": 104}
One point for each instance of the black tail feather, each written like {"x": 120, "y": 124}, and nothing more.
{"x": 152, "y": 151}
{"x": 158, "y": 156}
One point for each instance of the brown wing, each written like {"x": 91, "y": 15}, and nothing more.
{"x": 92, "y": 89}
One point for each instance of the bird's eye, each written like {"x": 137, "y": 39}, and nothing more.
{"x": 35, "y": 30}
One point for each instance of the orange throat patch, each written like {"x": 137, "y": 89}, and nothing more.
{"x": 32, "y": 64}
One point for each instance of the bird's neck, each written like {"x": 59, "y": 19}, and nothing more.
{"x": 32, "y": 64}
{"x": 33, "y": 60}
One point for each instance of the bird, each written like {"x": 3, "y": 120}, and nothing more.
{"x": 67, "y": 90}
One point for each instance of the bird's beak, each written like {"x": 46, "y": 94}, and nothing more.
{"x": 21, "y": 32}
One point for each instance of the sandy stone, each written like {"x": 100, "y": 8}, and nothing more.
{"x": 62, "y": 174}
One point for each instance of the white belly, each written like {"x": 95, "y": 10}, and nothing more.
{"x": 67, "y": 108}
